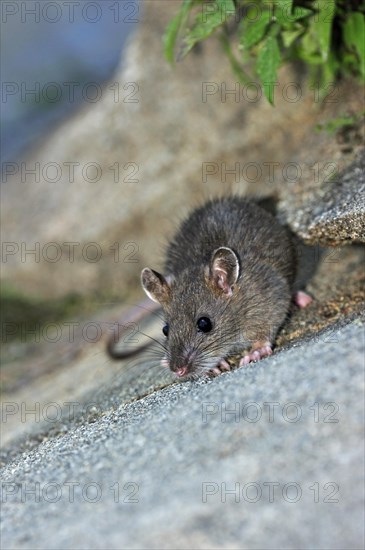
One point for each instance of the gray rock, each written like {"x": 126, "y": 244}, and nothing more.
{"x": 264, "y": 457}
{"x": 334, "y": 213}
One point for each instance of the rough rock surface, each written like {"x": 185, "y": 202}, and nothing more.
{"x": 284, "y": 435}
{"x": 334, "y": 213}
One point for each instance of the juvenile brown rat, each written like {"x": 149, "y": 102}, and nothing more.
{"x": 227, "y": 287}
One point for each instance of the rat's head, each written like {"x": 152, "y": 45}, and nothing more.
{"x": 199, "y": 310}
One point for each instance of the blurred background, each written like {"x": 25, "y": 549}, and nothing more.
{"x": 45, "y": 43}
{"x": 57, "y": 58}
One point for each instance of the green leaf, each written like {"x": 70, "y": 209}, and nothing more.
{"x": 268, "y": 62}
{"x": 288, "y": 4}
{"x": 338, "y": 123}
{"x": 309, "y": 50}
{"x": 354, "y": 37}
{"x": 302, "y": 28}
{"x": 300, "y": 13}
{"x": 286, "y": 17}
{"x": 290, "y": 36}
{"x": 283, "y": 10}
{"x": 237, "y": 68}
{"x": 210, "y": 17}
{"x": 253, "y": 31}
{"x": 173, "y": 28}
{"x": 322, "y": 25}
{"x": 315, "y": 45}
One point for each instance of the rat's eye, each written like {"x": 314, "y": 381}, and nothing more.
{"x": 204, "y": 324}
{"x": 165, "y": 330}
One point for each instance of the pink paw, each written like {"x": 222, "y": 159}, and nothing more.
{"x": 256, "y": 354}
{"x": 302, "y": 299}
{"x": 222, "y": 366}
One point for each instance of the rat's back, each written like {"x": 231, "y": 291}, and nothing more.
{"x": 252, "y": 232}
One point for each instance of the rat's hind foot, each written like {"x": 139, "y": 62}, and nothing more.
{"x": 256, "y": 354}
{"x": 302, "y": 299}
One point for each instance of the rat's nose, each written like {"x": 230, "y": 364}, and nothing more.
{"x": 182, "y": 371}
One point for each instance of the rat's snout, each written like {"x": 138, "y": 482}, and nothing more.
{"x": 182, "y": 362}
{"x": 182, "y": 371}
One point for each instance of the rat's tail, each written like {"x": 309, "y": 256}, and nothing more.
{"x": 134, "y": 315}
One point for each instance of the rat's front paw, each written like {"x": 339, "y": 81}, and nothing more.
{"x": 256, "y": 354}
{"x": 222, "y": 366}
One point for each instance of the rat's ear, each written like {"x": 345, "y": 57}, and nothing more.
{"x": 155, "y": 285}
{"x": 224, "y": 269}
